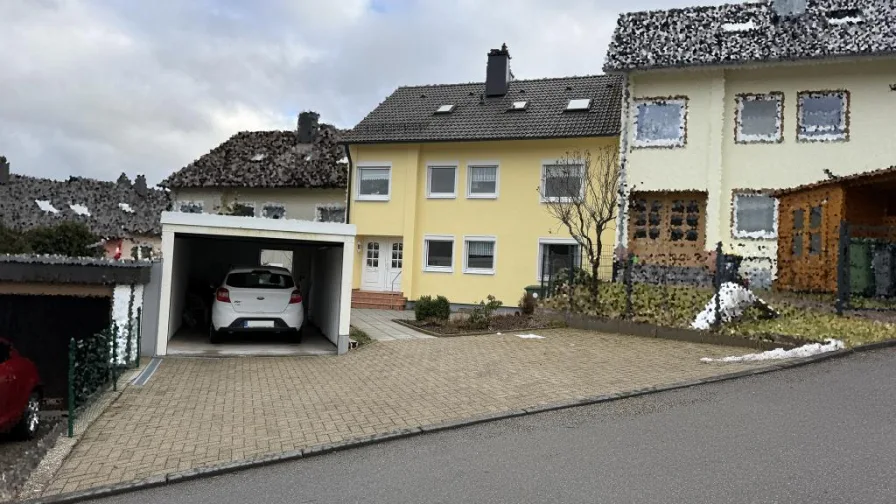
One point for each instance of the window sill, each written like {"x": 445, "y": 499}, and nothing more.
{"x": 482, "y": 196}
{"x": 664, "y": 144}
{"x": 441, "y": 196}
{"x": 822, "y": 138}
{"x": 438, "y": 269}
{"x": 754, "y": 236}
{"x": 759, "y": 140}
{"x": 475, "y": 271}
{"x": 372, "y": 198}
{"x": 558, "y": 200}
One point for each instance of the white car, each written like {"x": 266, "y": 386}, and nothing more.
{"x": 257, "y": 299}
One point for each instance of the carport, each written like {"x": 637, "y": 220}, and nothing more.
{"x": 198, "y": 249}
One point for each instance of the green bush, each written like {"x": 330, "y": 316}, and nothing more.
{"x": 528, "y": 303}
{"x": 427, "y": 308}
{"x": 72, "y": 239}
{"x": 481, "y": 315}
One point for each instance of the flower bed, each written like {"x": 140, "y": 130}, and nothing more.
{"x": 497, "y": 323}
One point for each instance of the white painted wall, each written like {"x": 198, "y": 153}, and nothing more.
{"x": 299, "y": 203}
{"x": 325, "y": 292}
{"x": 178, "y": 287}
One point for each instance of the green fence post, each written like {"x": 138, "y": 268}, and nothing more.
{"x": 71, "y": 387}
{"x": 139, "y": 331}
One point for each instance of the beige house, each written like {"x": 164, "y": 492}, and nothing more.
{"x": 268, "y": 174}
{"x": 725, "y": 104}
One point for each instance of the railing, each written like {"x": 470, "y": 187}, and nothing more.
{"x": 392, "y": 290}
{"x": 97, "y": 360}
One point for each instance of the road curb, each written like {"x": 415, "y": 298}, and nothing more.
{"x": 216, "y": 470}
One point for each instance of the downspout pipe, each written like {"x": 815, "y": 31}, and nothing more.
{"x": 348, "y": 183}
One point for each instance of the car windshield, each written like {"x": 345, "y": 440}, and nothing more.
{"x": 260, "y": 279}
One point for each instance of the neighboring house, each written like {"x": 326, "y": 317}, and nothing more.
{"x": 448, "y": 183}
{"x": 727, "y": 103}
{"x": 272, "y": 174}
{"x": 809, "y": 242}
{"x": 125, "y": 215}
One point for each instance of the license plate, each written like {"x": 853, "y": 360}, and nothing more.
{"x": 259, "y": 323}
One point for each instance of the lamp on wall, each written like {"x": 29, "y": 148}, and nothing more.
{"x": 892, "y": 87}
{"x": 358, "y": 246}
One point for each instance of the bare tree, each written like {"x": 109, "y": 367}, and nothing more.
{"x": 581, "y": 191}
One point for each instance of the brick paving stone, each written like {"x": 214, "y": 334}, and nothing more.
{"x": 201, "y": 412}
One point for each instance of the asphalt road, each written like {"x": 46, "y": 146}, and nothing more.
{"x": 818, "y": 434}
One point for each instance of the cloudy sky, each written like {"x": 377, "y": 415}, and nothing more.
{"x": 100, "y": 87}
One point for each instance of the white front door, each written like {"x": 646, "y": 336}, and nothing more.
{"x": 382, "y": 264}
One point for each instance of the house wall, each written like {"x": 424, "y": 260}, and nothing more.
{"x": 516, "y": 218}
{"x": 326, "y": 294}
{"x": 149, "y": 327}
{"x": 300, "y": 204}
{"x": 712, "y": 161}
{"x": 180, "y": 264}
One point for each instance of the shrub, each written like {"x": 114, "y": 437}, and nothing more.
{"x": 527, "y": 303}
{"x": 481, "y": 315}
{"x": 72, "y": 239}
{"x": 427, "y": 308}
{"x": 578, "y": 277}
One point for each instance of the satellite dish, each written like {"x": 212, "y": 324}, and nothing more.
{"x": 789, "y": 8}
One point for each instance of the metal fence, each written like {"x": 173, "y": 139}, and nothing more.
{"x": 97, "y": 361}
{"x": 866, "y": 268}
{"x": 668, "y": 288}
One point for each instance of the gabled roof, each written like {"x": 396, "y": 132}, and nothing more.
{"x": 409, "y": 114}
{"x": 864, "y": 178}
{"x": 721, "y": 35}
{"x": 268, "y": 159}
{"x": 110, "y": 209}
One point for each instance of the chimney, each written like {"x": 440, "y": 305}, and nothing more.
{"x": 123, "y": 180}
{"x": 4, "y": 170}
{"x": 140, "y": 186}
{"x": 497, "y": 73}
{"x": 308, "y": 127}
{"x": 788, "y": 9}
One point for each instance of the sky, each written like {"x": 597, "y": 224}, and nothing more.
{"x": 96, "y": 88}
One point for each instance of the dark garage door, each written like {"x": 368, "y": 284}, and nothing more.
{"x": 40, "y": 327}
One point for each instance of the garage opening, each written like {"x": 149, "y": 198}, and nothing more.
{"x": 202, "y": 254}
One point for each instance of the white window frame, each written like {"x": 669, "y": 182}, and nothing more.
{"x": 778, "y": 136}
{"x": 200, "y": 204}
{"x": 447, "y": 164}
{"x": 557, "y": 162}
{"x": 328, "y": 206}
{"x": 437, "y": 269}
{"x": 480, "y": 238}
{"x": 753, "y": 235}
{"x": 682, "y": 139}
{"x": 841, "y": 136}
{"x": 272, "y": 204}
{"x": 551, "y": 241}
{"x": 483, "y": 164}
{"x": 372, "y": 165}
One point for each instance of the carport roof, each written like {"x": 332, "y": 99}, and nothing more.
{"x": 72, "y": 270}
{"x": 250, "y": 224}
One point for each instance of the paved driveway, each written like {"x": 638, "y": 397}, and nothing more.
{"x": 198, "y": 412}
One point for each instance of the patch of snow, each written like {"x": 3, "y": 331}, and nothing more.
{"x": 344, "y": 160}
{"x": 809, "y": 350}
{"x": 79, "y": 209}
{"x": 733, "y": 301}
{"x": 739, "y": 27}
{"x": 46, "y": 206}
{"x": 125, "y": 207}
{"x": 530, "y": 336}
{"x": 845, "y": 20}
{"x": 259, "y": 156}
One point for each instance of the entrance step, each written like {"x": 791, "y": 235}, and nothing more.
{"x": 378, "y": 300}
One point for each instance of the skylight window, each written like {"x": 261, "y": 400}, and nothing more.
{"x": 125, "y": 208}
{"x": 79, "y": 209}
{"x": 845, "y": 16}
{"x": 445, "y": 109}
{"x": 739, "y": 27}
{"x": 519, "y": 105}
{"x": 46, "y": 206}
{"x": 579, "y": 104}
{"x": 259, "y": 156}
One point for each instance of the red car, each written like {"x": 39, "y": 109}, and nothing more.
{"x": 20, "y": 393}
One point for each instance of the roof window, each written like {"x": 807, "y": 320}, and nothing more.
{"x": 845, "y": 16}
{"x": 519, "y": 105}
{"x": 579, "y": 104}
{"x": 46, "y": 206}
{"x": 79, "y": 209}
{"x": 445, "y": 109}
{"x": 739, "y": 27}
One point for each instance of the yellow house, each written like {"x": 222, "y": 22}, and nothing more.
{"x": 726, "y": 103}
{"x": 447, "y": 184}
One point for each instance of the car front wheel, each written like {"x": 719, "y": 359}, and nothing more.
{"x": 28, "y": 425}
